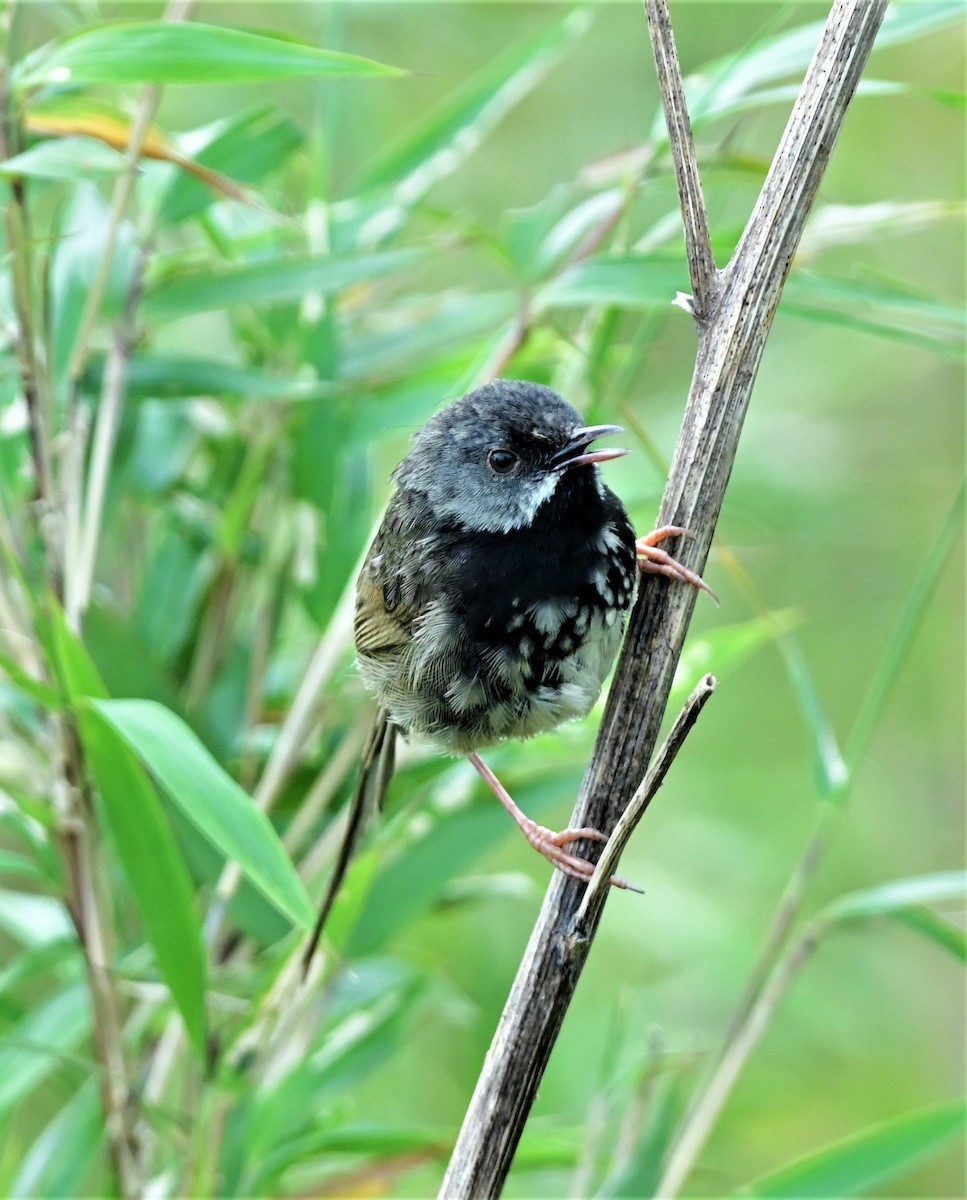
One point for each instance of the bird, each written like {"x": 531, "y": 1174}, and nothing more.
{"x": 493, "y": 599}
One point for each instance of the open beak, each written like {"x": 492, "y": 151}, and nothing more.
{"x": 576, "y": 453}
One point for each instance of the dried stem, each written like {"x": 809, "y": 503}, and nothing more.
{"x": 731, "y": 341}
{"x": 596, "y": 892}
{"x": 90, "y": 910}
{"x": 698, "y": 239}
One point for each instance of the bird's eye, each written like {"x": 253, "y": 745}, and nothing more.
{"x": 502, "y": 462}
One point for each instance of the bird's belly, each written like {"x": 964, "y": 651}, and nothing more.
{"x": 462, "y": 692}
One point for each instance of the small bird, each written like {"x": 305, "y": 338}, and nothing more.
{"x": 493, "y": 600}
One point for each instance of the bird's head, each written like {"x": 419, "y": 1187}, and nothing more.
{"x": 491, "y": 459}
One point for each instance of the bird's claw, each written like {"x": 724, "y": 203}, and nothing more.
{"x": 655, "y": 561}
{"x": 551, "y": 845}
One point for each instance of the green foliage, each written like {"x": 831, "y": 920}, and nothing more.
{"x": 208, "y": 368}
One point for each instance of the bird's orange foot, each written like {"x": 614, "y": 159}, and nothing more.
{"x": 546, "y": 841}
{"x": 659, "y": 562}
{"x": 551, "y": 845}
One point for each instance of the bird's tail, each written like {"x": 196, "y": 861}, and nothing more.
{"x": 375, "y": 771}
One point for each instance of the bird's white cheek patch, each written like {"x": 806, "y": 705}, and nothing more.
{"x": 540, "y": 495}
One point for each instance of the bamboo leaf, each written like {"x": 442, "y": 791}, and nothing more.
{"x": 268, "y": 281}
{"x": 451, "y": 134}
{"x": 56, "y": 1164}
{"x": 626, "y": 281}
{"x": 905, "y": 900}
{"x": 211, "y": 799}
{"x": 899, "y": 644}
{"x": 181, "y": 52}
{"x": 867, "y": 1159}
{"x": 64, "y": 158}
{"x": 34, "y": 1047}
{"x": 877, "y": 306}
{"x": 154, "y": 867}
{"x": 832, "y": 774}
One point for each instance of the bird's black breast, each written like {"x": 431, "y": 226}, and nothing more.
{"x": 537, "y": 590}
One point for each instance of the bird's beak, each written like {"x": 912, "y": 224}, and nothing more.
{"x": 576, "y": 454}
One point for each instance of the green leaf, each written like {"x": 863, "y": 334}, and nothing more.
{"x": 64, "y": 158}
{"x": 726, "y": 647}
{"x": 57, "y": 1162}
{"x": 437, "y": 147}
{"x": 75, "y": 667}
{"x": 36, "y": 1045}
{"x": 724, "y": 86}
{"x": 888, "y": 898}
{"x": 937, "y": 929}
{"x": 421, "y": 328}
{"x": 904, "y": 900}
{"x": 246, "y": 148}
{"x": 179, "y": 52}
{"x": 880, "y": 307}
{"x": 832, "y": 774}
{"x": 211, "y": 799}
{"x": 867, "y": 1159}
{"x": 627, "y": 281}
{"x": 898, "y": 646}
{"x": 146, "y": 845}
{"x": 268, "y": 281}
{"x": 177, "y": 377}
{"x": 154, "y": 867}
{"x": 847, "y": 224}
{"x": 44, "y": 695}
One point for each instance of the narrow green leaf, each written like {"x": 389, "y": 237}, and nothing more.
{"x": 211, "y": 799}
{"x": 44, "y": 695}
{"x": 627, "y": 281}
{"x": 64, "y": 158}
{"x": 832, "y": 774}
{"x": 146, "y": 845}
{"x": 247, "y": 147}
{"x": 78, "y": 675}
{"x": 847, "y": 224}
{"x": 37, "y": 1044}
{"x": 177, "y": 377}
{"x": 446, "y": 139}
{"x": 57, "y": 1162}
{"x": 726, "y": 647}
{"x": 723, "y": 86}
{"x": 880, "y": 307}
{"x": 904, "y": 900}
{"x": 33, "y": 920}
{"x": 154, "y": 867}
{"x": 181, "y": 52}
{"x": 868, "y": 1159}
{"x": 421, "y": 328}
{"x": 899, "y": 644}
{"x": 937, "y": 929}
{"x": 268, "y": 281}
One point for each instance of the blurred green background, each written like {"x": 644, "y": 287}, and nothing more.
{"x": 240, "y": 501}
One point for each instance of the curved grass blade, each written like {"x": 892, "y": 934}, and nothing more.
{"x": 182, "y": 52}
{"x": 867, "y": 1159}
{"x": 211, "y": 799}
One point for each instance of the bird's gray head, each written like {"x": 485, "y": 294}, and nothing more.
{"x": 489, "y": 460}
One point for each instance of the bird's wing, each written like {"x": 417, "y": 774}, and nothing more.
{"x": 393, "y": 589}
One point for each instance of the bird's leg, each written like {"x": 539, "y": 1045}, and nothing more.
{"x": 545, "y": 841}
{"x": 660, "y": 562}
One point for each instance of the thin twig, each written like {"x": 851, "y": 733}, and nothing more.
{"x": 698, "y": 239}
{"x": 90, "y": 911}
{"x": 80, "y": 559}
{"x": 597, "y": 890}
